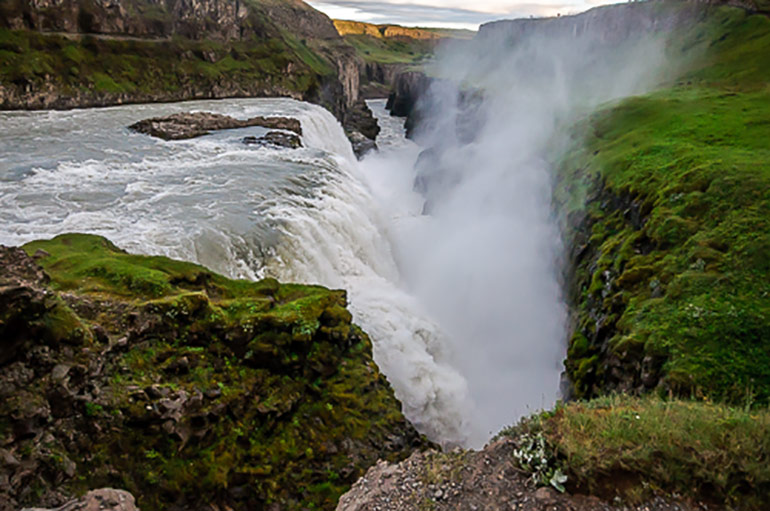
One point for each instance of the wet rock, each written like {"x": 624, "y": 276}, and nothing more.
{"x": 275, "y": 139}
{"x": 408, "y": 88}
{"x": 360, "y": 119}
{"x": 190, "y": 125}
{"x": 361, "y": 144}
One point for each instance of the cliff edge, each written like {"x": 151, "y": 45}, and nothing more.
{"x": 86, "y": 53}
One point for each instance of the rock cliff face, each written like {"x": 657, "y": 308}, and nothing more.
{"x": 606, "y": 25}
{"x": 196, "y": 19}
{"x": 384, "y": 31}
{"x": 77, "y": 53}
{"x": 408, "y": 87}
{"x": 189, "y": 390}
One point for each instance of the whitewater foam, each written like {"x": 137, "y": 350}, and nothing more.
{"x": 305, "y": 215}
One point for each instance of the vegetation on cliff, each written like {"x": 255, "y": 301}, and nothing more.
{"x": 619, "y": 446}
{"x": 669, "y": 203}
{"x": 79, "y": 53}
{"x": 184, "y": 387}
{"x": 83, "y": 69}
{"x": 666, "y": 202}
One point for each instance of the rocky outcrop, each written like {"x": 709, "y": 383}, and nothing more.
{"x": 191, "y": 125}
{"x": 407, "y": 90}
{"x": 188, "y": 389}
{"x": 361, "y": 144}
{"x": 275, "y": 139}
{"x": 378, "y": 78}
{"x": 196, "y": 19}
{"x": 486, "y": 480}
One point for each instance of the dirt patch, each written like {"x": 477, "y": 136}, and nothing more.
{"x": 485, "y": 480}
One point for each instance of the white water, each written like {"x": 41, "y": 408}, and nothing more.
{"x": 309, "y": 215}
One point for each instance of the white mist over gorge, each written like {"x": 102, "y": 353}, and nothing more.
{"x": 451, "y": 263}
{"x": 485, "y": 259}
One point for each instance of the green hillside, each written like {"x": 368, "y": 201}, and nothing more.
{"x": 666, "y": 202}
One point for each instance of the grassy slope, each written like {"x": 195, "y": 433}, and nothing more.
{"x": 136, "y": 67}
{"x": 679, "y": 295}
{"x": 391, "y": 51}
{"x": 301, "y": 409}
{"x": 634, "y": 447}
{"x": 668, "y": 200}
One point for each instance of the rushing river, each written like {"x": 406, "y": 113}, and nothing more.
{"x": 453, "y": 301}
{"x": 307, "y": 215}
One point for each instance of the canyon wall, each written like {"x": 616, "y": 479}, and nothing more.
{"x": 81, "y": 53}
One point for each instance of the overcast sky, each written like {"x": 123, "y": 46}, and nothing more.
{"x": 448, "y": 13}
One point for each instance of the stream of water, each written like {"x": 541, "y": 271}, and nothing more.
{"x": 312, "y": 215}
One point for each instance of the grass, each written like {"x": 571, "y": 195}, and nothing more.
{"x": 633, "y": 448}
{"x": 391, "y": 51}
{"x": 669, "y": 200}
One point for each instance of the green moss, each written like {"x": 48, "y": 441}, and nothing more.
{"x": 679, "y": 234}
{"x": 294, "y": 408}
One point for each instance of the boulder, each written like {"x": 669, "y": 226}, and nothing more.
{"x": 275, "y": 139}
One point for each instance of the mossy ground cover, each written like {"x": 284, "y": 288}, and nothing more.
{"x": 208, "y": 390}
{"x": 671, "y": 192}
{"x": 666, "y": 205}
{"x": 633, "y": 448}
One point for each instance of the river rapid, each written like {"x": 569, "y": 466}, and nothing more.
{"x": 311, "y": 215}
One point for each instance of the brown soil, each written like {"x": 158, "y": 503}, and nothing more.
{"x": 484, "y": 480}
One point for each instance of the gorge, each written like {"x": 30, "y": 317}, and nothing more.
{"x": 582, "y": 210}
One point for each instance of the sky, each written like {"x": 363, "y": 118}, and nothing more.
{"x": 448, "y": 13}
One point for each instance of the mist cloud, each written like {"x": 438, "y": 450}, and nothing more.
{"x": 485, "y": 261}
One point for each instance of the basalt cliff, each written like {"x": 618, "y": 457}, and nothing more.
{"x": 80, "y": 53}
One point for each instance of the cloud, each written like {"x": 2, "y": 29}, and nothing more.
{"x": 446, "y": 13}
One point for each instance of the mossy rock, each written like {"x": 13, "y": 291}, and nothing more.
{"x": 185, "y": 387}
{"x": 675, "y": 237}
